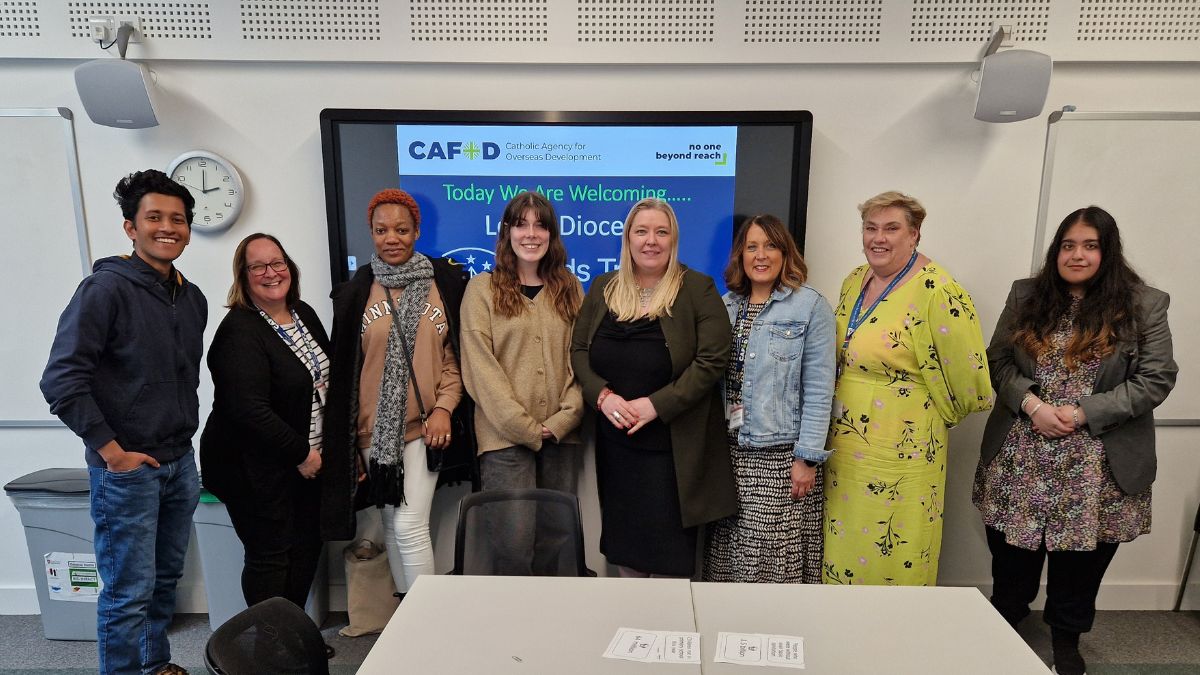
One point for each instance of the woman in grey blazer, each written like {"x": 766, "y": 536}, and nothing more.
{"x": 1080, "y": 358}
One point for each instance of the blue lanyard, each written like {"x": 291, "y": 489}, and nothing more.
{"x": 313, "y": 362}
{"x": 855, "y": 320}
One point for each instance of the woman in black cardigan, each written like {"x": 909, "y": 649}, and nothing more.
{"x": 261, "y": 448}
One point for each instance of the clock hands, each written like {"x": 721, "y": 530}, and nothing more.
{"x": 198, "y": 189}
{"x": 204, "y": 189}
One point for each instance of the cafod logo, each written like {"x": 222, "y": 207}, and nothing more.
{"x": 452, "y": 149}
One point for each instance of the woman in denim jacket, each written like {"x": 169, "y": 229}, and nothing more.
{"x": 778, "y": 394}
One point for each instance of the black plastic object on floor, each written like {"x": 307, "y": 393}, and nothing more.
{"x": 274, "y": 636}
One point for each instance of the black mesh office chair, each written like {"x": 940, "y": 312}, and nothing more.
{"x": 274, "y": 636}
{"x": 1187, "y": 568}
{"x": 523, "y": 532}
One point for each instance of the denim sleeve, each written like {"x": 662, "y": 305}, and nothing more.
{"x": 817, "y": 377}
{"x": 78, "y": 345}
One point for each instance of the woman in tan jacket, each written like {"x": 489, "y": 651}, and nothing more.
{"x": 517, "y": 323}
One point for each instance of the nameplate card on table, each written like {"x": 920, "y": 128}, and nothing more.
{"x": 760, "y": 649}
{"x": 654, "y": 646}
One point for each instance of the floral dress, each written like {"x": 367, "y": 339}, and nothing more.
{"x": 1058, "y": 491}
{"x": 913, "y": 369}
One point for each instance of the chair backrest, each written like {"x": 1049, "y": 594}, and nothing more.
{"x": 274, "y": 636}
{"x": 520, "y": 532}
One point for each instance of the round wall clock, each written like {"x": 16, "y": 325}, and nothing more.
{"x": 216, "y": 185}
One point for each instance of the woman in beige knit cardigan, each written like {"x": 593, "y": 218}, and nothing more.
{"x": 516, "y": 334}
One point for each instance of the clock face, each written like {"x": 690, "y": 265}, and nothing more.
{"x": 216, "y": 186}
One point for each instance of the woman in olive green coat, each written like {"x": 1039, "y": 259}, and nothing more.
{"x": 649, "y": 347}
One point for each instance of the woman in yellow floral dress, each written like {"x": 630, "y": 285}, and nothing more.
{"x": 911, "y": 364}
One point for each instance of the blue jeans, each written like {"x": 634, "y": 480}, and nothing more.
{"x": 143, "y": 521}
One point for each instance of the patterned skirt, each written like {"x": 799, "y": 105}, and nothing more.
{"x": 771, "y": 538}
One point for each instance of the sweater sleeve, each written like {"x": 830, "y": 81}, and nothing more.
{"x": 83, "y": 331}
{"x": 570, "y": 412}
{"x": 450, "y": 384}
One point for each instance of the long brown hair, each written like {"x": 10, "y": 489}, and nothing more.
{"x": 239, "y": 292}
{"x": 793, "y": 272}
{"x": 552, "y": 268}
{"x": 1106, "y": 314}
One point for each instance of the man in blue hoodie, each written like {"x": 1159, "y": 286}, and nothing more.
{"x": 123, "y": 374}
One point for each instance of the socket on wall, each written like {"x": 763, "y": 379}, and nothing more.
{"x": 104, "y": 28}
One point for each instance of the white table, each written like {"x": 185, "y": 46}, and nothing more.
{"x": 528, "y": 625}
{"x": 866, "y": 629}
{"x": 539, "y": 625}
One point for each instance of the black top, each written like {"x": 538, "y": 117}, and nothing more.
{"x": 531, "y": 291}
{"x": 632, "y": 357}
{"x": 262, "y": 402}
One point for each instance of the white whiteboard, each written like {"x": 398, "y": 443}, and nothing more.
{"x": 44, "y": 253}
{"x": 1144, "y": 169}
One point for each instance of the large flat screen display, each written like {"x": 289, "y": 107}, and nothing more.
{"x": 714, "y": 168}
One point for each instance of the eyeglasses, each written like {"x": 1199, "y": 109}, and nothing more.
{"x": 259, "y": 269}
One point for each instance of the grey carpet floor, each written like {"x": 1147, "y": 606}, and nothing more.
{"x": 24, "y": 650}
{"x": 1122, "y": 643}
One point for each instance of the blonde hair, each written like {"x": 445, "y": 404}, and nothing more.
{"x": 910, "y": 206}
{"x": 621, "y": 294}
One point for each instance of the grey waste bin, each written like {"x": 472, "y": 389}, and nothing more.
{"x": 53, "y": 504}
{"x": 222, "y": 557}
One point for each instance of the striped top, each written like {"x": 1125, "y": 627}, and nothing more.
{"x": 301, "y": 343}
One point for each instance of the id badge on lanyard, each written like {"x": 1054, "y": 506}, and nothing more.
{"x": 736, "y": 414}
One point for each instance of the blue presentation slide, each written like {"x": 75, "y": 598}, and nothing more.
{"x": 462, "y": 177}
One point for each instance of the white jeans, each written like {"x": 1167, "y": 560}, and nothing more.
{"x": 406, "y": 527}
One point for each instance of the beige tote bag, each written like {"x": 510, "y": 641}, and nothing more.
{"x": 370, "y": 599}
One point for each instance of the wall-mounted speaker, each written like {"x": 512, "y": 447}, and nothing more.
{"x": 1012, "y": 85}
{"x": 116, "y": 93}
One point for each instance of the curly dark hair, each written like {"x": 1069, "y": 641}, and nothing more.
{"x": 1107, "y": 313}
{"x": 132, "y": 188}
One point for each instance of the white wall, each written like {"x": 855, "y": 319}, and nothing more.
{"x": 877, "y": 127}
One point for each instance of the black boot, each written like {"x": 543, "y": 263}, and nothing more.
{"x": 1013, "y": 615}
{"x": 1067, "y": 659}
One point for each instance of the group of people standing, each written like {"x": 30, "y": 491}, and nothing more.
{"x": 810, "y": 439}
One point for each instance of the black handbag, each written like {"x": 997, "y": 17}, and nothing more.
{"x": 437, "y": 460}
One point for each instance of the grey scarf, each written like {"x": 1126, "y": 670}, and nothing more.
{"x": 414, "y": 278}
